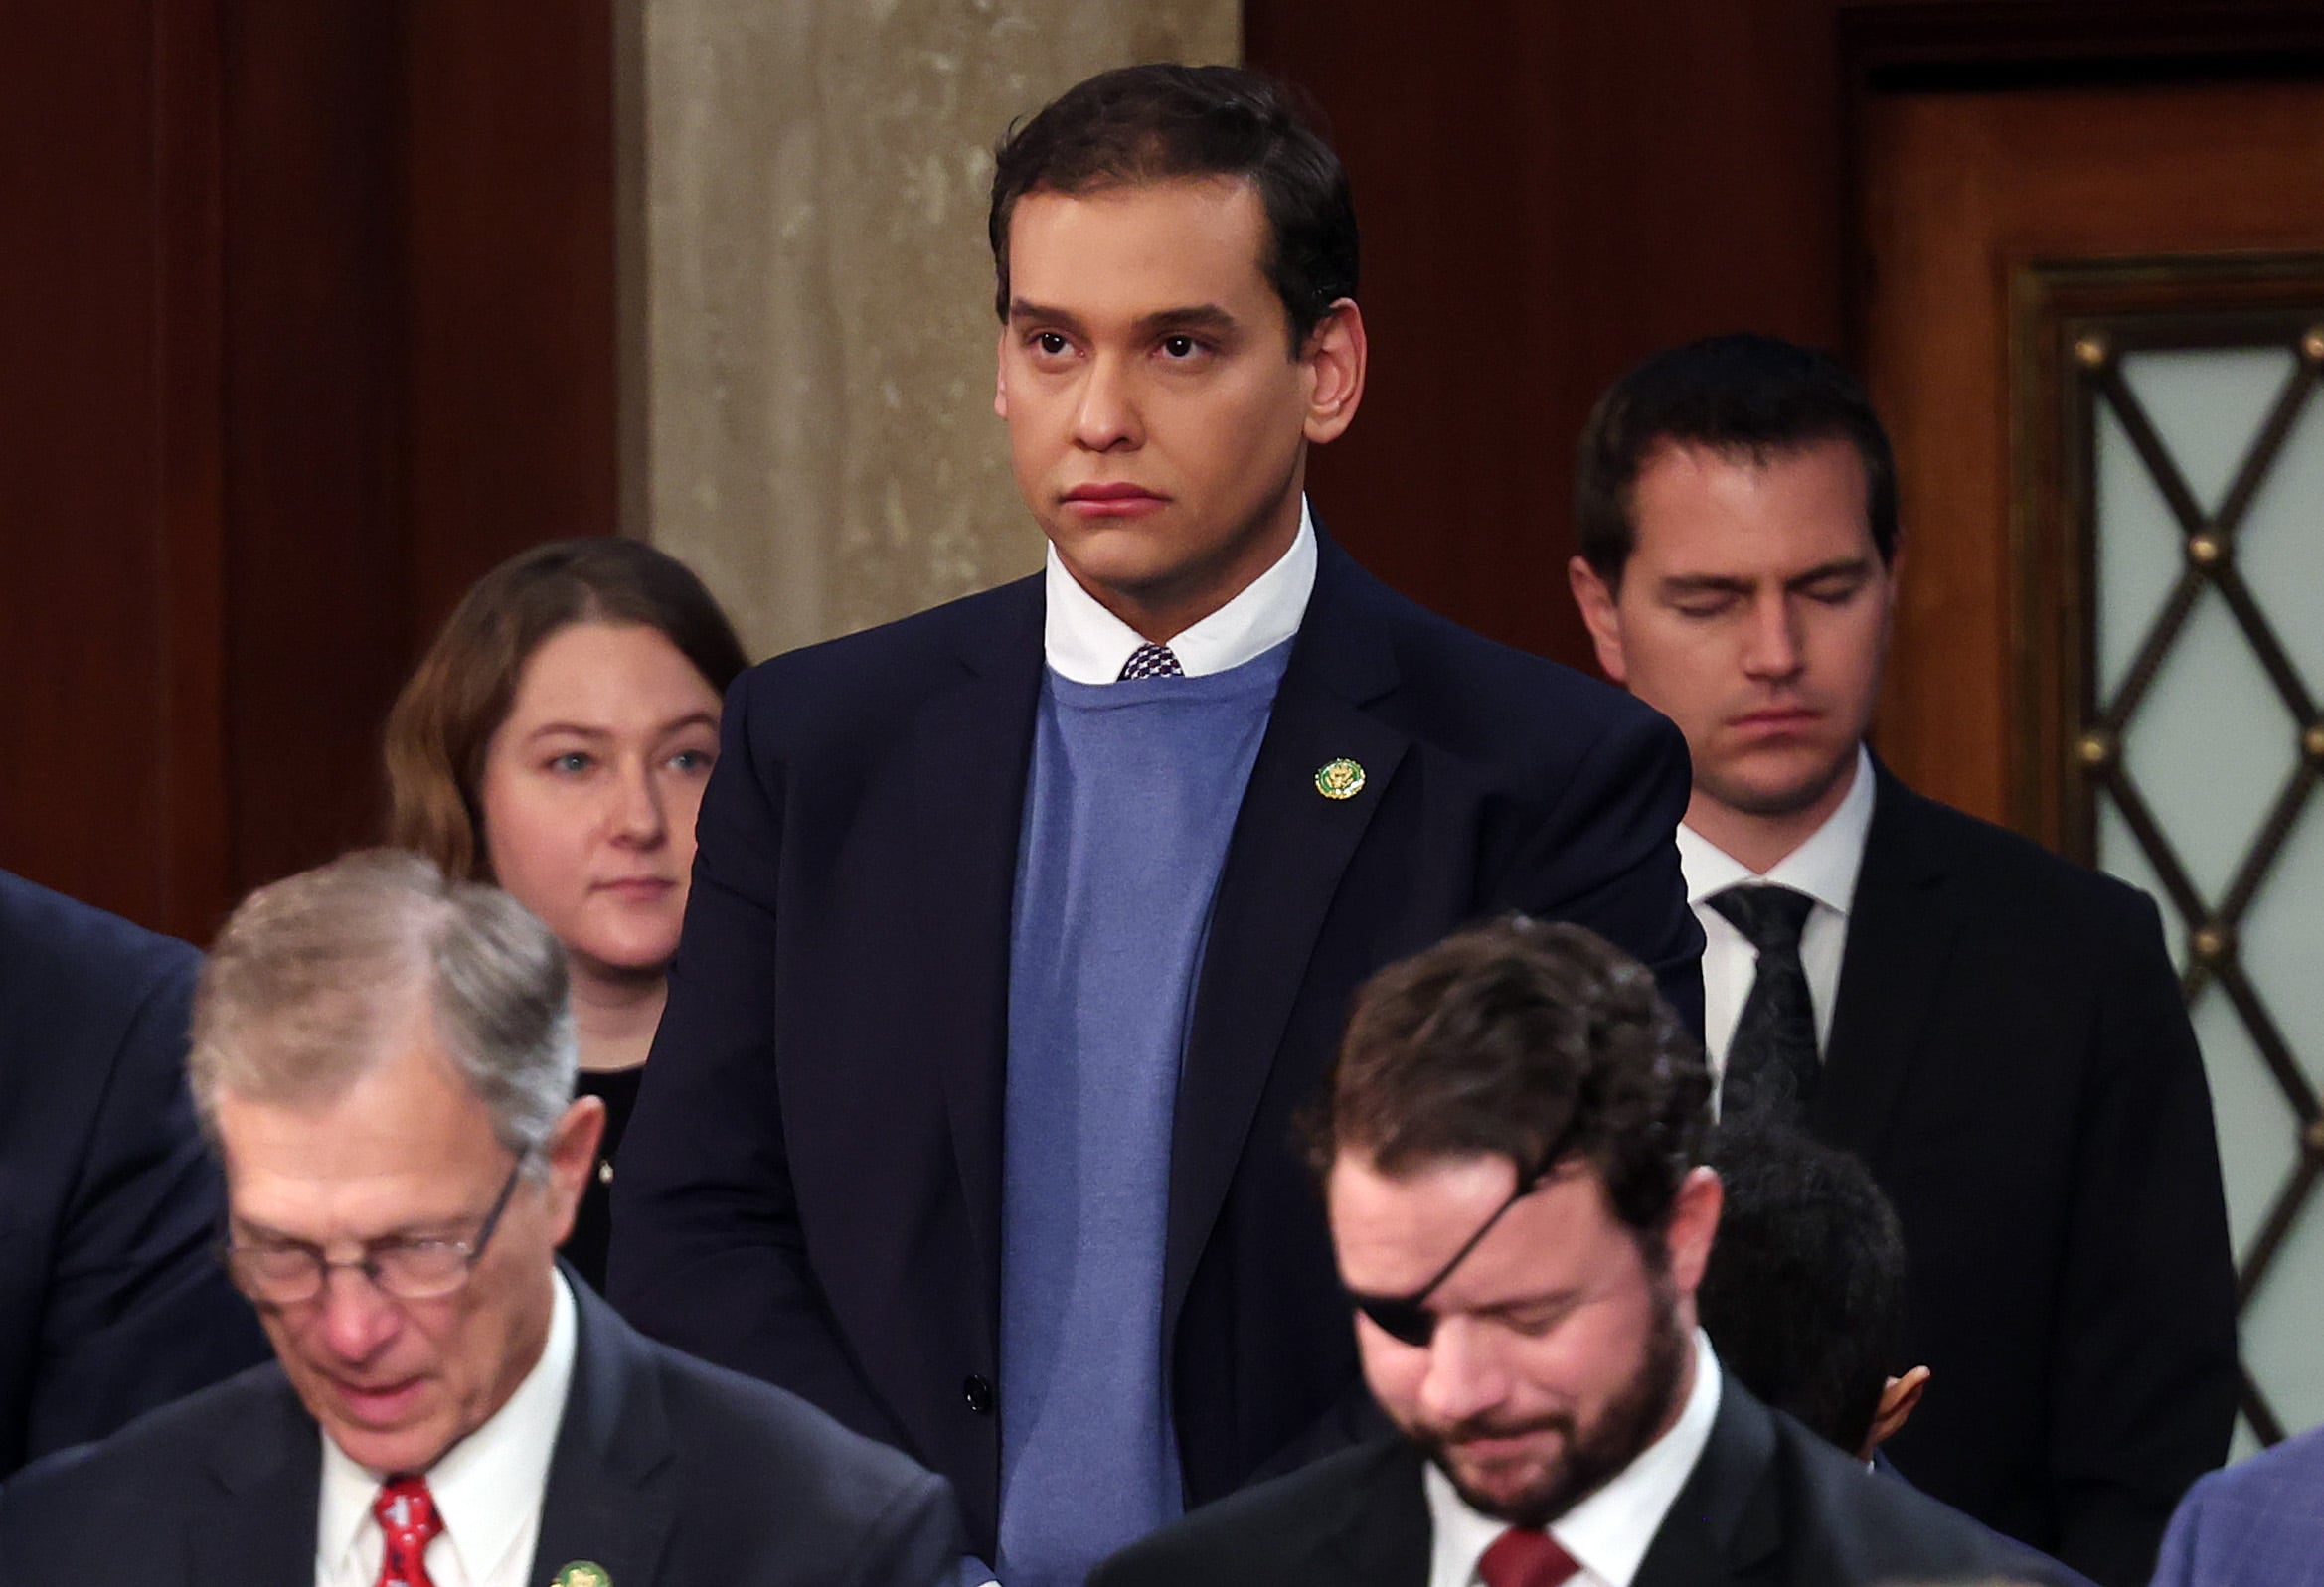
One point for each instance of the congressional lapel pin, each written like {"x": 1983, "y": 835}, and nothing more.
{"x": 583, "y": 1573}
{"x": 1339, "y": 779}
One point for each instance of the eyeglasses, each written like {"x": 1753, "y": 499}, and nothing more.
{"x": 287, "y": 1272}
{"x": 1406, "y": 1318}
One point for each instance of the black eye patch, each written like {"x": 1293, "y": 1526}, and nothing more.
{"x": 1406, "y": 1318}
{"x": 1401, "y": 1316}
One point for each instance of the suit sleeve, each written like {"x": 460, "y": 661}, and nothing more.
{"x": 708, "y": 1251}
{"x": 2176, "y": 1568}
{"x": 917, "y": 1542}
{"x": 139, "y": 1310}
{"x": 1605, "y": 856}
{"x": 2143, "y": 1365}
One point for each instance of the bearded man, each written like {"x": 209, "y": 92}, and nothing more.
{"x": 1511, "y": 1152}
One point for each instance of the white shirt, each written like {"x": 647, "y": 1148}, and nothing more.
{"x": 1824, "y": 868}
{"x": 1607, "y": 1533}
{"x": 487, "y": 1488}
{"x": 1089, "y": 644}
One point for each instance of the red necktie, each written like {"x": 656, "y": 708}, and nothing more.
{"x": 1523, "y": 1557}
{"x": 407, "y": 1520}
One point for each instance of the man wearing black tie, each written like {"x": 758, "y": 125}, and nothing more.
{"x": 1998, "y": 1033}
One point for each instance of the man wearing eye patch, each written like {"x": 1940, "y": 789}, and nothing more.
{"x": 1511, "y": 1152}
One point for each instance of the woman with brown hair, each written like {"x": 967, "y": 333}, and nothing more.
{"x": 554, "y": 741}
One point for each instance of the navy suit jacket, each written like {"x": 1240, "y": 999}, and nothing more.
{"x": 810, "y": 1189}
{"x": 109, "y": 1300}
{"x": 2259, "y": 1523}
{"x": 1767, "y": 1503}
{"x": 666, "y": 1473}
{"x": 2011, "y": 1056}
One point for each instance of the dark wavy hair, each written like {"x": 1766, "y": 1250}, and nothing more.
{"x": 1160, "y": 122}
{"x": 1539, "y": 1043}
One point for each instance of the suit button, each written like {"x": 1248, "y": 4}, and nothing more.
{"x": 978, "y": 1393}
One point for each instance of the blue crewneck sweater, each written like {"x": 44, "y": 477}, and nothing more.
{"x": 1132, "y": 797}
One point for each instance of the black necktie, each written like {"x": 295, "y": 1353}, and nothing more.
{"x": 1772, "y": 1064}
{"x": 1151, "y": 661}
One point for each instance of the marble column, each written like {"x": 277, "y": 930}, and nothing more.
{"x": 807, "y": 316}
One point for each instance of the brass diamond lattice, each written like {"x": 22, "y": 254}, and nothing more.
{"x": 2212, "y": 925}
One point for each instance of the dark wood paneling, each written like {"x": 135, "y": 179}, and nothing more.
{"x": 83, "y": 719}
{"x": 317, "y": 339}
{"x": 1550, "y": 193}
{"x": 510, "y": 161}
{"x": 306, "y": 320}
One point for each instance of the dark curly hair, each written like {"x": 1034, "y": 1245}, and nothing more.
{"x": 1163, "y": 121}
{"x": 1535, "y": 1042}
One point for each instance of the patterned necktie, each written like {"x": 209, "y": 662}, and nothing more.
{"x": 1772, "y": 1064}
{"x": 407, "y": 1520}
{"x": 1523, "y": 1557}
{"x": 1151, "y": 661}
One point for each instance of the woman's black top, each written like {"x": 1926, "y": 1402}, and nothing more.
{"x": 593, "y": 1227}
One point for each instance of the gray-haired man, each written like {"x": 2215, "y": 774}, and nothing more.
{"x": 385, "y": 1061}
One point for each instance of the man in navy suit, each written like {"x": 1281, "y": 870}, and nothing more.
{"x": 386, "y": 1060}
{"x": 1022, "y": 928}
{"x": 2259, "y": 1524}
{"x": 109, "y": 1301}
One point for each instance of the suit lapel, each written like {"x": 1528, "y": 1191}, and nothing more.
{"x": 1284, "y": 864}
{"x": 1726, "y": 1520}
{"x": 1901, "y": 930}
{"x": 609, "y": 1501}
{"x": 268, "y": 1464}
{"x": 954, "y": 795}
{"x": 1379, "y": 1532}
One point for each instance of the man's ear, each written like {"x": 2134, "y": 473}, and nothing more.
{"x": 1895, "y": 1406}
{"x": 1001, "y": 374}
{"x": 1602, "y": 614}
{"x": 1693, "y": 1227}
{"x": 1335, "y": 357}
{"x": 573, "y": 1158}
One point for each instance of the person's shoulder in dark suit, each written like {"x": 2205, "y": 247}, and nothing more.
{"x": 770, "y": 1485}
{"x": 2259, "y": 1524}
{"x": 850, "y": 689}
{"x": 1454, "y": 689}
{"x": 109, "y": 1302}
{"x": 2052, "y": 896}
{"x": 117, "y": 1507}
{"x": 1767, "y": 1501}
{"x": 1354, "y": 1516}
{"x": 1844, "y": 1525}
{"x": 732, "y": 1480}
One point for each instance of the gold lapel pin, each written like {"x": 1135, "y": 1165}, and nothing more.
{"x": 583, "y": 1573}
{"x": 1339, "y": 779}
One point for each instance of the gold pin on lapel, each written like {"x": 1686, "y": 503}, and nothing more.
{"x": 583, "y": 1573}
{"x": 1339, "y": 779}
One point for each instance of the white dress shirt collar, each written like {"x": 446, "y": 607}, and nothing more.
{"x": 487, "y": 1488}
{"x": 1824, "y": 868}
{"x": 1089, "y": 644}
{"x": 1607, "y": 1533}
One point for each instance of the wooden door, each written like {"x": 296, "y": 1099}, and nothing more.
{"x": 1961, "y": 196}
{"x": 2093, "y": 317}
